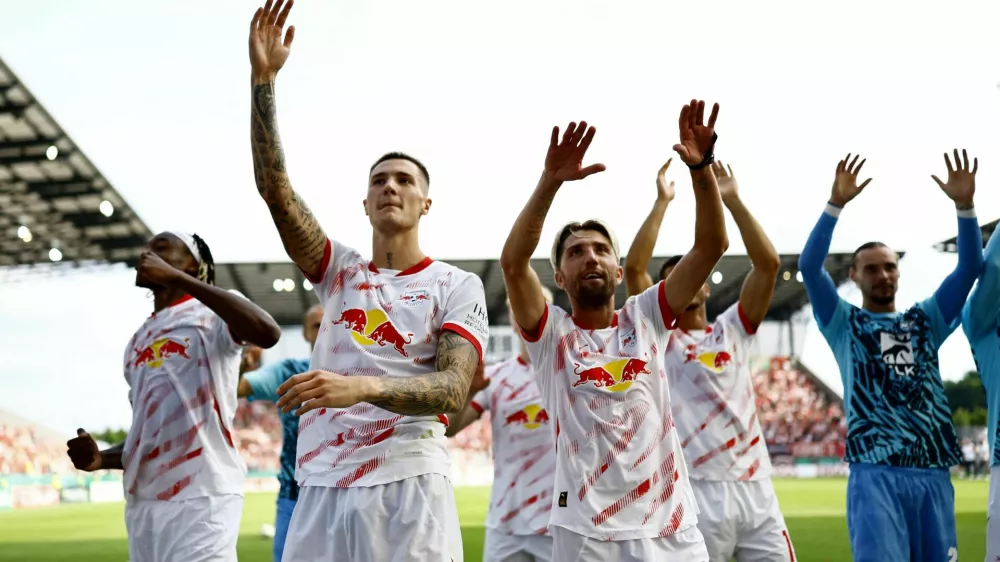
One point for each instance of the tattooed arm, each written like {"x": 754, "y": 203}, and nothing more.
{"x": 303, "y": 238}
{"x": 524, "y": 289}
{"x": 301, "y": 235}
{"x": 444, "y": 391}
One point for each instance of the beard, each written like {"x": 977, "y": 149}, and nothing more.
{"x": 594, "y": 296}
{"x": 882, "y": 294}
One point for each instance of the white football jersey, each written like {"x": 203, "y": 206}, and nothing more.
{"x": 714, "y": 404}
{"x": 524, "y": 456}
{"x": 182, "y": 367}
{"x": 383, "y": 323}
{"x": 620, "y": 471}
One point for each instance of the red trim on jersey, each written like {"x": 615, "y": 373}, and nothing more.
{"x": 416, "y": 268}
{"x": 222, "y": 424}
{"x": 443, "y": 419}
{"x": 535, "y": 334}
{"x": 788, "y": 541}
{"x": 668, "y": 317}
{"x": 475, "y": 406}
{"x": 614, "y": 323}
{"x": 522, "y": 361}
{"x": 465, "y": 334}
{"x": 747, "y": 324}
{"x": 181, "y": 300}
{"x": 327, "y": 253}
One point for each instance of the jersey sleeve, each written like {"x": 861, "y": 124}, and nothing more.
{"x": 940, "y": 330}
{"x": 336, "y": 258}
{"x": 835, "y": 330}
{"x": 653, "y": 304}
{"x": 737, "y": 324}
{"x": 465, "y": 313}
{"x": 264, "y": 382}
{"x": 542, "y": 349}
{"x": 220, "y": 336}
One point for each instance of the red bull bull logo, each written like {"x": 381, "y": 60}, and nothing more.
{"x": 715, "y": 361}
{"x": 413, "y": 298}
{"x": 532, "y": 416}
{"x": 616, "y": 376}
{"x": 154, "y": 354}
{"x": 372, "y": 327}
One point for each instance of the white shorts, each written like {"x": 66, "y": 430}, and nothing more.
{"x": 413, "y": 519}
{"x": 196, "y": 530}
{"x": 687, "y": 546}
{"x": 993, "y": 516}
{"x": 501, "y": 547}
{"x": 742, "y": 520}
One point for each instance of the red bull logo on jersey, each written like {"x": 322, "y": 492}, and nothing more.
{"x": 616, "y": 376}
{"x": 714, "y": 361}
{"x": 531, "y": 416}
{"x": 372, "y": 327}
{"x": 154, "y": 354}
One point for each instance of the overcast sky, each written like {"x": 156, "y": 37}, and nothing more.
{"x": 156, "y": 94}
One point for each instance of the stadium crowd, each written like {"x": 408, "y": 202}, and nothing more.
{"x": 23, "y": 451}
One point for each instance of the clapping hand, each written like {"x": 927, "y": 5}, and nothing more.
{"x": 697, "y": 139}
{"x": 665, "y": 192}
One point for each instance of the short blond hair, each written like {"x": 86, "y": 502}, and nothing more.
{"x": 596, "y": 225}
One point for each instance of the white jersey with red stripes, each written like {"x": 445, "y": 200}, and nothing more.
{"x": 620, "y": 471}
{"x": 715, "y": 405}
{"x": 524, "y": 459}
{"x": 182, "y": 367}
{"x": 383, "y": 323}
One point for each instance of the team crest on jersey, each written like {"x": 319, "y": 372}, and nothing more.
{"x": 154, "y": 354}
{"x": 897, "y": 353}
{"x": 628, "y": 339}
{"x": 616, "y": 376}
{"x": 531, "y": 416}
{"x": 415, "y": 298}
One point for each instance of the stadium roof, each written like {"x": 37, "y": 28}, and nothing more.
{"x": 951, "y": 245}
{"x": 281, "y": 289}
{"x": 52, "y": 197}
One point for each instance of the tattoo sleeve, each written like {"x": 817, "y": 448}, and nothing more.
{"x": 301, "y": 234}
{"x": 441, "y": 392}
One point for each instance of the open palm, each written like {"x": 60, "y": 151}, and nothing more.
{"x": 961, "y": 185}
{"x": 664, "y": 190}
{"x": 564, "y": 161}
{"x": 697, "y": 139}
{"x": 268, "y": 52}
{"x": 845, "y": 183}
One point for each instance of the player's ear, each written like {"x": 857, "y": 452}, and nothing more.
{"x": 558, "y": 277}
{"x": 427, "y": 206}
{"x": 620, "y": 274}
{"x": 364, "y": 202}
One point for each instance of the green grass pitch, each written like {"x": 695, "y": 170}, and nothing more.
{"x": 814, "y": 510}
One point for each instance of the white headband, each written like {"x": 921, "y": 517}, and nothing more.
{"x": 189, "y": 242}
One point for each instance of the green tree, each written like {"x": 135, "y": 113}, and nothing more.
{"x": 967, "y": 393}
{"x": 961, "y": 417}
{"x": 977, "y": 418}
{"x": 111, "y": 436}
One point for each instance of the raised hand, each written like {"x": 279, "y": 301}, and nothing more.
{"x": 697, "y": 139}
{"x": 564, "y": 161}
{"x": 153, "y": 269}
{"x": 845, "y": 184}
{"x": 83, "y": 452}
{"x": 664, "y": 191}
{"x": 727, "y": 181}
{"x": 961, "y": 186}
{"x": 268, "y": 52}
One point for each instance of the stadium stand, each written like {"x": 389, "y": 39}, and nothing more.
{"x": 56, "y": 209}
{"x": 26, "y": 448}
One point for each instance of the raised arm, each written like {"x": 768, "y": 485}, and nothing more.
{"x": 961, "y": 189}
{"x": 303, "y": 238}
{"x": 563, "y": 162}
{"x": 696, "y": 149}
{"x": 819, "y": 285}
{"x": 758, "y": 287}
{"x": 247, "y": 322}
{"x": 441, "y": 392}
{"x": 983, "y": 308}
{"x": 637, "y": 277}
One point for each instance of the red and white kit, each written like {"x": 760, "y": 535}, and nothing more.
{"x": 183, "y": 476}
{"x": 377, "y": 323}
{"x": 524, "y": 462}
{"x": 620, "y": 472}
{"x": 716, "y": 414}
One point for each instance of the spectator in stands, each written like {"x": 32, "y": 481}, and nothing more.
{"x": 262, "y": 384}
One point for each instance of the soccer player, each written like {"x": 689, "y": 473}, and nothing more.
{"x": 262, "y": 384}
{"x": 524, "y": 459}
{"x": 900, "y": 437}
{"x": 621, "y": 488}
{"x": 711, "y": 386}
{"x": 401, "y": 343}
{"x": 183, "y": 476}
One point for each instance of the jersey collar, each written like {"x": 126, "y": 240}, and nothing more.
{"x": 416, "y": 268}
